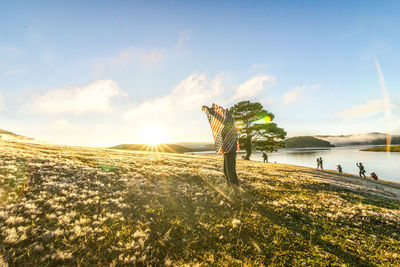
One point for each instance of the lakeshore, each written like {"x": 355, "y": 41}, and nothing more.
{"x": 393, "y": 148}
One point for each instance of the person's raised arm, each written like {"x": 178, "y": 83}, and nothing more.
{"x": 210, "y": 110}
{"x": 213, "y": 113}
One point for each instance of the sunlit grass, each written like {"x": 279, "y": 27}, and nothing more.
{"x": 109, "y": 207}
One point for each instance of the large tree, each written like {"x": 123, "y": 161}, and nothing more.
{"x": 256, "y": 131}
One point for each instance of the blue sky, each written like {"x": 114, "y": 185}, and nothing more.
{"x": 109, "y": 72}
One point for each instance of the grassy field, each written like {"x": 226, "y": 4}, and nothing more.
{"x": 394, "y": 148}
{"x": 85, "y": 206}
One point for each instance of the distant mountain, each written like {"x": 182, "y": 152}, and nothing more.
{"x": 306, "y": 141}
{"x": 360, "y": 139}
{"x": 197, "y": 146}
{"x": 6, "y": 132}
{"x": 179, "y": 147}
{"x": 169, "y": 148}
{"x": 10, "y": 136}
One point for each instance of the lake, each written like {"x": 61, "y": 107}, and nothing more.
{"x": 385, "y": 165}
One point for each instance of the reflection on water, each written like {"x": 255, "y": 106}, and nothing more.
{"x": 385, "y": 165}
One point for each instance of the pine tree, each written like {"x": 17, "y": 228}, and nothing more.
{"x": 256, "y": 131}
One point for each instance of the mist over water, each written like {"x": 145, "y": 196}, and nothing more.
{"x": 385, "y": 165}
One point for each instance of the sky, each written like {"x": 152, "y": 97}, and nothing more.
{"x": 100, "y": 73}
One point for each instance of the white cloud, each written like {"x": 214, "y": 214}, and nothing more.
{"x": 253, "y": 86}
{"x": 135, "y": 54}
{"x": 10, "y": 49}
{"x": 144, "y": 56}
{"x": 151, "y": 57}
{"x": 62, "y": 125}
{"x": 293, "y": 95}
{"x": 179, "y": 112}
{"x": 94, "y": 97}
{"x": 266, "y": 101}
{"x": 189, "y": 95}
{"x": 193, "y": 92}
{"x": 363, "y": 110}
{"x": 184, "y": 36}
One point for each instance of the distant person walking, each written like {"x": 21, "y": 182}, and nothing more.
{"x": 319, "y": 163}
{"x": 339, "y": 168}
{"x": 362, "y": 169}
{"x": 225, "y": 139}
{"x": 265, "y": 157}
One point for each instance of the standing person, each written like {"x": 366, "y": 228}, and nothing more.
{"x": 265, "y": 157}
{"x": 320, "y": 163}
{"x": 225, "y": 139}
{"x": 339, "y": 168}
{"x": 362, "y": 169}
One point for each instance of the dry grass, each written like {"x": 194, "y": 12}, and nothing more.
{"x": 75, "y": 205}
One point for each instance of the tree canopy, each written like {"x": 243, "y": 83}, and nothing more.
{"x": 256, "y": 131}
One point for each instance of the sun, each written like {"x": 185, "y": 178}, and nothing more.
{"x": 152, "y": 134}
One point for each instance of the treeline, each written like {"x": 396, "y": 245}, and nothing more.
{"x": 306, "y": 141}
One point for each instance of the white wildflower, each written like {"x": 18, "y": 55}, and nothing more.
{"x": 236, "y": 223}
{"x": 38, "y": 248}
{"x": 139, "y": 234}
{"x": 11, "y": 236}
{"x": 58, "y": 232}
{"x": 51, "y": 216}
{"x": 168, "y": 262}
{"x": 61, "y": 255}
{"x": 15, "y": 220}
{"x": 101, "y": 238}
{"x": 3, "y": 214}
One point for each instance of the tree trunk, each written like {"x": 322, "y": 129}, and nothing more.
{"x": 248, "y": 147}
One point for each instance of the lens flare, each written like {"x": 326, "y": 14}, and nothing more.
{"x": 240, "y": 124}
{"x": 266, "y": 119}
{"x": 386, "y": 103}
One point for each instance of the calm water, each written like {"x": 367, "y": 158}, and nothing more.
{"x": 385, "y": 165}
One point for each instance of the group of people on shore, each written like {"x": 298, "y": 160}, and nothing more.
{"x": 340, "y": 169}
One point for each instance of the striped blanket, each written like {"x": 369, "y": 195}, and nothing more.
{"x": 223, "y": 129}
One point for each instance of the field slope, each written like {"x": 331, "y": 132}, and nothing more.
{"x": 85, "y": 206}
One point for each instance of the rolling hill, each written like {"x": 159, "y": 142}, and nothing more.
{"x": 169, "y": 148}
{"x": 179, "y": 147}
{"x": 10, "y": 136}
{"x": 306, "y": 141}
